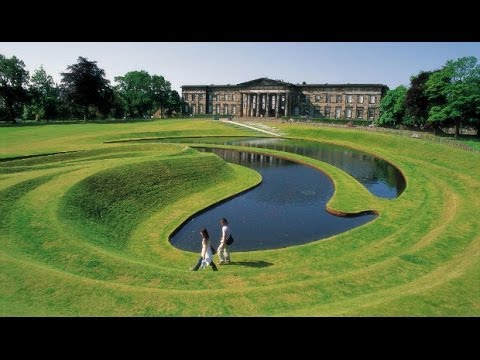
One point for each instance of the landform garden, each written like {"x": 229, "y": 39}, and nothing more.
{"x": 85, "y": 222}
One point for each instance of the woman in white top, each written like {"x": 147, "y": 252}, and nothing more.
{"x": 206, "y": 256}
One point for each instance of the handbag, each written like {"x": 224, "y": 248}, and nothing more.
{"x": 230, "y": 240}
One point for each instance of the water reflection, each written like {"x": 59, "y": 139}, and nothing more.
{"x": 287, "y": 209}
{"x": 378, "y": 176}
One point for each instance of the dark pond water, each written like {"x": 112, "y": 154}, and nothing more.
{"x": 287, "y": 208}
{"x": 379, "y": 176}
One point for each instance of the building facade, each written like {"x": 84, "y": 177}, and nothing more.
{"x": 274, "y": 98}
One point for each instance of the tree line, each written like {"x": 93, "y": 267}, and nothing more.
{"x": 447, "y": 97}
{"x": 83, "y": 92}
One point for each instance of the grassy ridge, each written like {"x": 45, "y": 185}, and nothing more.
{"x": 113, "y": 201}
{"x": 69, "y": 245}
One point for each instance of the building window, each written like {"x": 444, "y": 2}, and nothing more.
{"x": 316, "y": 113}
{"x": 186, "y": 108}
{"x": 225, "y": 109}
{"x": 327, "y": 98}
{"x": 373, "y": 99}
{"x": 348, "y": 113}
{"x": 193, "y": 109}
{"x": 317, "y": 97}
{"x": 339, "y": 99}
{"x": 349, "y": 99}
{"x": 193, "y": 97}
{"x": 338, "y": 112}
{"x": 371, "y": 113}
{"x": 360, "y": 99}
{"x": 296, "y": 110}
{"x": 234, "y": 98}
{"x": 224, "y": 97}
{"x": 200, "y": 97}
{"x": 210, "y": 108}
{"x": 217, "y": 109}
{"x": 327, "y": 111}
{"x": 210, "y": 97}
{"x": 359, "y": 113}
{"x": 200, "y": 109}
{"x": 216, "y": 97}
{"x": 234, "y": 108}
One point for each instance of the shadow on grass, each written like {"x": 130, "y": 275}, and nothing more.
{"x": 255, "y": 264}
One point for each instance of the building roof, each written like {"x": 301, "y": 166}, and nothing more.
{"x": 270, "y": 82}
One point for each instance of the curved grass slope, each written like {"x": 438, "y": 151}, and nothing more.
{"x": 70, "y": 245}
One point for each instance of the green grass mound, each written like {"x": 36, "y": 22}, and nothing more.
{"x": 107, "y": 206}
{"x": 86, "y": 232}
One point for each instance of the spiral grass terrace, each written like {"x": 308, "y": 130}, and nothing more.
{"x": 86, "y": 232}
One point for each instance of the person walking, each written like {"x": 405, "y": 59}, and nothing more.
{"x": 206, "y": 256}
{"x": 223, "y": 253}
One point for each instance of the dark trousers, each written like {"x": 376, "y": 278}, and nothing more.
{"x": 199, "y": 262}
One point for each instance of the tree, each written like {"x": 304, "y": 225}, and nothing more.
{"x": 161, "y": 93}
{"x": 13, "y": 79}
{"x": 134, "y": 88}
{"x": 416, "y": 102}
{"x": 455, "y": 93}
{"x": 392, "y": 107}
{"x": 173, "y": 103}
{"x": 84, "y": 85}
{"x": 44, "y": 95}
{"x": 143, "y": 93}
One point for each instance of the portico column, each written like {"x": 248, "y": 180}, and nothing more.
{"x": 267, "y": 106}
{"x": 252, "y": 98}
{"x": 276, "y": 104}
{"x": 257, "y": 105}
{"x": 251, "y": 104}
{"x": 286, "y": 105}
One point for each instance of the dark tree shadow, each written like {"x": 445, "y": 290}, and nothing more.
{"x": 255, "y": 264}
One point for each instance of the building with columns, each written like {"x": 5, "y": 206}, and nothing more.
{"x": 275, "y": 98}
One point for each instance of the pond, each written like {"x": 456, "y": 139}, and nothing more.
{"x": 379, "y": 176}
{"x": 286, "y": 209}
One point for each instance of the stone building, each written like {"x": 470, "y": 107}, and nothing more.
{"x": 274, "y": 98}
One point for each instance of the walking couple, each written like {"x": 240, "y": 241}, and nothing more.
{"x": 206, "y": 256}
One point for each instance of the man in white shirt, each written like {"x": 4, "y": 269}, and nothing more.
{"x": 223, "y": 253}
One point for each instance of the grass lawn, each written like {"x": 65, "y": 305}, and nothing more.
{"x": 85, "y": 232}
{"x": 473, "y": 143}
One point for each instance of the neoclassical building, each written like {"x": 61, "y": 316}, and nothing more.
{"x": 274, "y": 98}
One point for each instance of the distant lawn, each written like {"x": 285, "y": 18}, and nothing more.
{"x": 472, "y": 142}
{"x": 85, "y": 233}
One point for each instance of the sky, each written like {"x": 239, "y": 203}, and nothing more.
{"x": 203, "y": 63}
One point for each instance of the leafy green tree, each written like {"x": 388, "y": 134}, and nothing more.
{"x": 161, "y": 93}
{"x": 173, "y": 103}
{"x": 44, "y": 95}
{"x": 13, "y": 81}
{"x": 142, "y": 93}
{"x": 118, "y": 107}
{"x": 134, "y": 89}
{"x": 84, "y": 86}
{"x": 416, "y": 102}
{"x": 455, "y": 94}
{"x": 392, "y": 106}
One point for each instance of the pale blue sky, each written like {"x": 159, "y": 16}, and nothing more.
{"x": 231, "y": 63}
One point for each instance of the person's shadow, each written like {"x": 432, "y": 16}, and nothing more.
{"x": 255, "y": 264}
